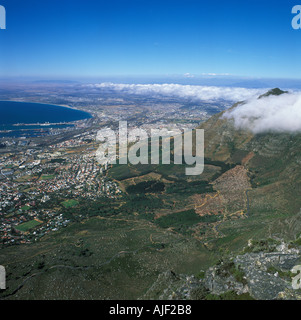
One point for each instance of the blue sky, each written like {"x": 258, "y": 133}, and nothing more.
{"x": 72, "y": 38}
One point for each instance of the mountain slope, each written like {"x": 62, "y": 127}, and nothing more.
{"x": 273, "y": 164}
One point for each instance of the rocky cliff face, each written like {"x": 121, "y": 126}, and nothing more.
{"x": 264, "y": 275}
{"x": 261, "y": 272}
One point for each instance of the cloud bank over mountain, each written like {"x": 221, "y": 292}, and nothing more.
{"x": 273, "y": 113}
{"x": 191, "y": 92}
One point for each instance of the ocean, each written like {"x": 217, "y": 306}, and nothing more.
{"x": 28, "y": 119}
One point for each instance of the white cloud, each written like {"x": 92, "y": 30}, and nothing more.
{"x": 192, "y": 92}
{"x": 215, "y": 74}
{"x": 188, "y": 75}
{"x": 272, "y": 113}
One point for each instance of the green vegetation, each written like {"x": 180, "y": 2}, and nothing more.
{"x": 188, "y": 188}
{"x": 210, "y": 218}
{"x": 202, "y": 293}
{"x": 152, "y": 186}
{"x": 227, "y": 268}
{"x": 200, "y": 275}
{"x": 141, "y": 204}
{"x": 287, "y": 275}
{"x": 70, "y": 203}
{"x": 180, "y": 221}
{"x": 298, "y": 242}
{"x": 47, "y": 176}
{"x": 230, "y": 295}
{"x": 25, "y": 208}
{"x": 267, "y": 245}
{"x": 104, "y": 256}
{"x": 123, "y": 171}
{"x": 27, "y": 225}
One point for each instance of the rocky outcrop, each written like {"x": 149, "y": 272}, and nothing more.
{"x": 264, "y": 275}
{"x": 261, "y": 275}
{"x": 268, "y": 273}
